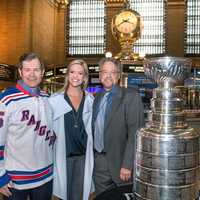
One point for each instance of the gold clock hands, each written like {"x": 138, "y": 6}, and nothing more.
{"x": 130, "y": 22}
{"x": 120, "y": 23}
{"x": 127, "y": 21}
{"x": 124, "y": 20}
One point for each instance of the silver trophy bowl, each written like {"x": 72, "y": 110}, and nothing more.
{"x": 167, "y": 70}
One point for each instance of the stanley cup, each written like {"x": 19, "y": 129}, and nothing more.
{"x": 167, "y": 149}
{"x": 167, "y": 71}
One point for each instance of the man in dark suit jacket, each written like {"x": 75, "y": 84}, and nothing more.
{"x": 123, "y": 116}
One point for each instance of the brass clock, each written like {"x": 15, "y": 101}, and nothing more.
{"x": 126, "y": 28}
{"x": 126, "y": 22}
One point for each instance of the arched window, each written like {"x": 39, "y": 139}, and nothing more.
{"x": 86, "y": 27}
{"x": 153, "y": 14}
{"x": 192, "y": 28}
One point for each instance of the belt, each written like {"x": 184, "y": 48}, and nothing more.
{"x": 75, "y": 155}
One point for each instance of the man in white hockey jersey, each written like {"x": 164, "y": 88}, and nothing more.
{"x": 26, "y": 136}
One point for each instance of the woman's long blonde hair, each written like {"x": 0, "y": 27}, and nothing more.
{"x": 86, "y": 73}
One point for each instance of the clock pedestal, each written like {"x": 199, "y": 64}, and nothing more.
{"x": 126, "y": 52}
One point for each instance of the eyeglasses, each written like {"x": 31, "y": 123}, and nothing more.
{"x": 112, "y": 73}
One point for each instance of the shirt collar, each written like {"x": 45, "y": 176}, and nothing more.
{"x": 113, "y": 91}
{"x": 28, "y": 90}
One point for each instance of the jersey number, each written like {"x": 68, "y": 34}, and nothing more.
{"x": 1, "y": 119}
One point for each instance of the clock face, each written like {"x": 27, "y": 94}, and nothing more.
{"x": 126, "y": 22}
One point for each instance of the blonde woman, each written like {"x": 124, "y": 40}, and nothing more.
{"x": 72, "y": 108}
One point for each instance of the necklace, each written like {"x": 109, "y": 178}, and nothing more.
{"x": 76, "y": 117}
{"x": 76, "y": 112}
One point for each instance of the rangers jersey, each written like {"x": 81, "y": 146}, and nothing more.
{"x": 26, "y": 138}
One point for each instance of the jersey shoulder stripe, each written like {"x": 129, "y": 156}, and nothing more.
{"x": 12, "y": 94}
{"x": 9, "y": 90}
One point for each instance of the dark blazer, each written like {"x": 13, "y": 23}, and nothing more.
{"x": 125, "y": 117}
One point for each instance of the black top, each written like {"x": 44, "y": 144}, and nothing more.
{"x": 75, "y": 134}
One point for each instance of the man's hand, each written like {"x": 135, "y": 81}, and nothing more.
{"x": 125, "y": 174}
{"x": 5, "y": 189}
